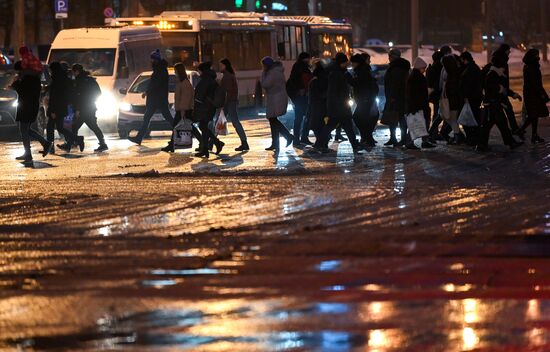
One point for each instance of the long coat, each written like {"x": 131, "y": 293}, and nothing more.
{"x": 60, "y": 92}
{"x": 157, "y": 91}
{"x": 534, "y": 95}
{"x": 28, "y": 88}
{"x": 452, "y": 83}
{"x": 338, "y": 94}
{"x": 395, "y": 85}
{"x": 317, "y": 97}
{"x": 204, "y": 93}
{"x": 274, "y": 83}
{"x": 184, "y": 96}
{"x": 417, "y": 93}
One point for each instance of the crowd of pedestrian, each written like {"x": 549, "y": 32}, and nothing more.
{"x": 337, "y": 95}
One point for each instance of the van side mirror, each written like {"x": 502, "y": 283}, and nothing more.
{"x": 123, "y": 91}
{"x": 124, "y": 73}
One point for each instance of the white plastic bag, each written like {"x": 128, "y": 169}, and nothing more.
{"x": 221, "y": 125}
{"x": 445, "y": 109}
{"x": 183, "y": 134}
{"x": 416, "y": 125}
{"x": 466, "y": 117}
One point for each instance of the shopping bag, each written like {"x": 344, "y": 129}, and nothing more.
{"x": 445, "y": 109}
{"x": 466, "y": 117}
{"x": 416, "y": 125}
{"x": 183, "y": 134}
{"x": 69, "y": 119}
{"x": 221, "y": 125}
{"x": 390, "y": 118}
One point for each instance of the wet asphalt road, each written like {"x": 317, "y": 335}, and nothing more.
{"x": 392, "y": 250}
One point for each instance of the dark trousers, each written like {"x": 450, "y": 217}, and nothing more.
{"x": 473, "y": 134}
{"x": 28, "y": 134}
{"x": 150, "y": 110}
{"x": 364, "y": 121}
{"x": 534, "y": 122}
{"x": 346, "y": 124}
{"x": 207, "y": 135}
{"x": 511, "y": 115}
{"x": 88, "y": 118}
{"x": 277, "y": 130}
{"x": 494, "y": 115}
{"x": 301, "y": 123}
{"x": 57, "y": 124}
{"x": 402, "y": 126}
{"x": 230, "y": 111}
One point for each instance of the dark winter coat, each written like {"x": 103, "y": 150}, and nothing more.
{"x": 229, "y": 84}
{"x": 471, "y": 83}
{"x": 417, "y": 93}
{"x": 338, "y": 94}
{"x": 157, "y": 91}
{"x": 365, "y": 88}
{"x": 273, "y": 81}
{"x": 317, "y": 102}
{"x": 452, "y": 83}
{"x": 86, "y": 92}
{"x": 298, "y": 81}
{"x": 204, "y": 110}
{"x": 495, "y": 93}
{"x": 395, "y": 85}
{"x": 60, "y": 94}
{"x": 28, "y": 88}
{"x": 534, "y": 95}
{"x": 433, "y": 74}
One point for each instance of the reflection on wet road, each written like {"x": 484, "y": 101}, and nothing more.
{"x": 442, "y": 250}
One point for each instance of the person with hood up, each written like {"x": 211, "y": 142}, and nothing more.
{"x": 297, "y": 88}
{"x": 157, "y": 96}
{"x": 204, "y": 110}
{"x": 418, "y": 99}
{"x": 86, "y": 92}
{"x": 274, "y": 84}
{"x": 229, "y": 84}
{"x": 29, "y": 62}
{"x": 494, "y": 104}
{"x": 28, "y": 88}
{"x": 395, "y": 86}
{"x": 317, "y": 100}
{"x": 365, "y": 90}
{"x": 534, "y": 94}
{"x": 338, "y": 109}
{"x": 471, "y": 92}
{"x": 60, "y": 97}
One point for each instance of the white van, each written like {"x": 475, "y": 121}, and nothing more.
{"x": 115, "y": 56}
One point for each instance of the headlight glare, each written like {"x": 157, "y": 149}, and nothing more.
{"x": 125, "y": 107}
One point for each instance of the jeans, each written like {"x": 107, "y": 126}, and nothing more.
{"x": 230, "y": 111}
{"x": 88, "y": 118}
{"x": 27, "y": 133}
{"x": 57, "y": 124}
{"x": 149, "y": 112}
{"x": 301, "y": 123}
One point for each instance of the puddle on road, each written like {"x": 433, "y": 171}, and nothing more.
{"x": 191, "y": 272}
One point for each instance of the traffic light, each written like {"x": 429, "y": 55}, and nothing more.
{"x": 238, "y": 4}
{"x": 258, "y": 4}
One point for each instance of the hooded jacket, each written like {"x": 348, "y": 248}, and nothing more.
{"x": 60, "y": 93}
{"x": 317, "y": 98}
{"x": 338, "y": 93}
{"x": 157, "y": 91}
{"x": 534, "y": 94}
{"x": 28, "y": 88}
{"x": 204, "y": 94}
{"x": 395, "y": 85}
{"x": 273, "y": 81}
{"x": 417, "y": 93}
{"x": 86, "y": 92}
{"x": 471, "y": 83}
{"x": 365, "y": 88}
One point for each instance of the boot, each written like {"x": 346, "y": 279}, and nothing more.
{"x": 219, "y": 146}
{"x": 80, "y": 142}
{"x": 243, "y": 147}
{"x": 392, "y": 141}
{"x": 66, "y": 147}
{"x": 169, "y": 148}
{"x": 47, "y": 147}
{"x": 102, "y": 148}
{"x": 26, "y": 158}
{"x": 537, "y": 140}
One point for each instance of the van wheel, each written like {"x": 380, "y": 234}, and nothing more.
{"x": 123, "y": 134}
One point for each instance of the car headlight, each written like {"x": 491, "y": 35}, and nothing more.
{"x": 351, "y": 103}
{"x": 126, "y": 107}
{"x": 377, "y": 100}
{"x": 15, "y": 104}
{"x": 106, "y": 105}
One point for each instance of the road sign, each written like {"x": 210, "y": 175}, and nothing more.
{"x": 61, "y": 8}
{"x": 108, "y": 12}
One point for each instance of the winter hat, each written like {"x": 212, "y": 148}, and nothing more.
{"x": 155, "y": 55}
{"x": 395, "y": 53}
{"x": 205, "y": 66}
{"x": 358, "y": 59}
{"x": 28, "y": 60}
{"x": 531, "y": 57}
{"x": 419, "y": 63}
{"x": 341, "y": 58}
{"x": 24, "y": 50}
{"x": 268, "y": 61}
{"x": 303, "y": 56}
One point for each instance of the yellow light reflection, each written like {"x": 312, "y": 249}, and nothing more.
{"x": 533, "y": 310}
{"x": 470, "y": 311}
{"x": 469, "y": 338}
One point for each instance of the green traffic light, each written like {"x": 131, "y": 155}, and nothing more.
{"x": 238, "y": 3}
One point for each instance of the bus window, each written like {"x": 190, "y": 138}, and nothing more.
{"x": 325, "y": 45}
{"x": 122, "y": 68}
{"x": 183, "y": 47}
{"x": 290, "y": 42}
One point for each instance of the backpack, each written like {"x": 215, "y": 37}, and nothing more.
{"x": 220, "y": 97}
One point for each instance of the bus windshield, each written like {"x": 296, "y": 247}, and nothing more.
{"x": 99, "y": 62}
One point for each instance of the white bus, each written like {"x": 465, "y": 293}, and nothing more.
{"x": 115, "y": 56}
{"x": 244, "y": 38}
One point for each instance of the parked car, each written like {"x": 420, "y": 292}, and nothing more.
{"x": 132, "y": 107}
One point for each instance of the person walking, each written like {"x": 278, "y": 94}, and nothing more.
{"x": 157, "y": 96}
{"x": 433, "y": 75}
{"x": 450, "y": 83}
{"x": 297, "y": 88}
{"x": 184, "y": 98}
{"x": 317, "y": 101}
{"x": 338, "y": 109}
{"x": 471, "y": 92}
{"x": 534, "y": 94}
{"x": 27, "y": 85}
{"x": 395, "y": 86}
{"x": 86, "y": 92}
{"x": 204, "y": 109}
{"x": 365, "y": 90}
{"x": 273, "y": 82}
{"x": 418, "y": 99}
{"x": 60, "y": 97}
{"x": 494, "y": 103}
{"x": 229, "y": 84}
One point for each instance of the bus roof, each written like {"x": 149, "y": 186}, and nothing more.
{"x": 104, "y": 37}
